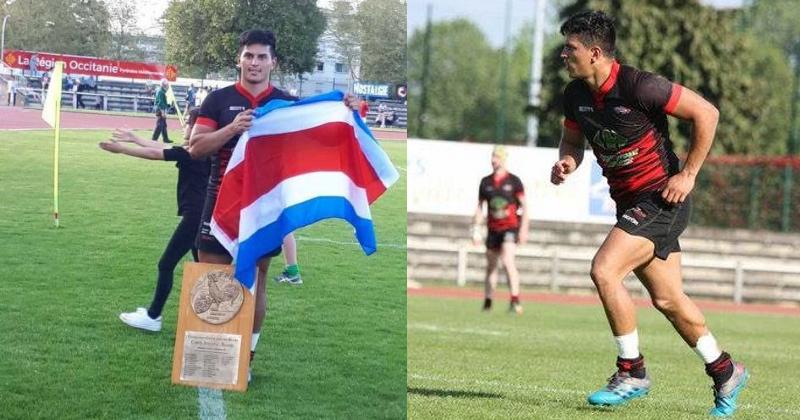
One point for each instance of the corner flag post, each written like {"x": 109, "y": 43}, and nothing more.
{"x": 51, "y": 114}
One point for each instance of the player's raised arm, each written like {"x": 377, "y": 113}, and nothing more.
{"x": 704, "y": 117}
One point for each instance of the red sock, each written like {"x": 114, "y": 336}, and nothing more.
{"x": 635, "y": 367}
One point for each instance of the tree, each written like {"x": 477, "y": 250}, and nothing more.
{"x": 700, "y": 48}
{"x": 383, "y": 40}
{"x": 203, "y": 34}
{"x": 462, "y": 86}
{"x": 77, "y": 27}
{"x": 344, "y": 27}
{"x": 777, "y": 23}
{"x": 124, "y": 32}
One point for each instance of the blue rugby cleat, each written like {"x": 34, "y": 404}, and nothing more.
{"x": 621, "y": 388}
{"x": 725, "y": 397}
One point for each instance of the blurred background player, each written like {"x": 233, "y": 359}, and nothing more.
{"x": 622, "y": 111}
{"x": 504, "y": 195}
{"x": 192, "y": 180}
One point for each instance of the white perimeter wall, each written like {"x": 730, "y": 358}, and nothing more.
{"x": 443, "y": 178}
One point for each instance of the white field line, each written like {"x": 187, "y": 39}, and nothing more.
{"x": 211, "y": 404}
{"x": 436, "y": 328}
{"x": 331, "y": 241}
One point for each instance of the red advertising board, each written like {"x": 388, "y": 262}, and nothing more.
{"x": 75, "y": 64}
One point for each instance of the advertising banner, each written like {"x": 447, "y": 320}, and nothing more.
{"x": 93, "y": 66}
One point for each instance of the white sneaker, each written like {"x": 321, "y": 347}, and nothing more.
{"x": 141, "y": 320}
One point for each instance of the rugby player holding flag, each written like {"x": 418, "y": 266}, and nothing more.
{"x": 224, "y": 115}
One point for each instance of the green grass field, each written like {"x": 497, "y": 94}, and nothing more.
{"x": 332, "y": 348}
{"x": 465, "y": 364}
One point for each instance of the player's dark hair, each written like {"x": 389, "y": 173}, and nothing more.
{"x": 593, "y": 27}
{"x": 258, "y": 36}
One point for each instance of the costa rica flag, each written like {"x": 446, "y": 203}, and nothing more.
{"x": 300, "y": 162}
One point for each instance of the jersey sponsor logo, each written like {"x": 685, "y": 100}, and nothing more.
{"x": 498, "y": 206}
{"x": 618, "y": 160}
{"x": 585, "y": 109}
{"x": 236, "y": 108}
{"x": 609, "y": 140}
{"x": 507, "y": 187}
{"x": 622, "y": 110}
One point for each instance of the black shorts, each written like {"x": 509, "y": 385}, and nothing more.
{"x": 496, "y": 238}
{"x": 653, "y": 218}
{"x": 206, "y": 242}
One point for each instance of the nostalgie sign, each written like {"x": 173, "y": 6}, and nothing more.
{"x": 92, "y": 66}
{"x": 371, "y": 89}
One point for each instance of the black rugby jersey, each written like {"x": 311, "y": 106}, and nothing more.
{"x": 192, "y": 180}
{"x": 503, "y": 195}
{"x": 626, "y": 125}
{"x": 220, "y": 109}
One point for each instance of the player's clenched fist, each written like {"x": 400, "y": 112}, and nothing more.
{"x": 561, "y": 170}
{"x": 242, "y": 122}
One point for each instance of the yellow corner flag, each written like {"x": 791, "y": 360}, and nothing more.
{"x": 171, "y": 100}
{"x": 51, "y": 114}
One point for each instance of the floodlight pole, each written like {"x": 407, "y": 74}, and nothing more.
{"x": 3, "y": 43}
{"x": 534, "y": 92}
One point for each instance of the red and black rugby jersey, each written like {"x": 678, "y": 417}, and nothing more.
{"x": 503, "y": 195}
{"x": 220, "y": 109}
{"x": 626, "y": 125}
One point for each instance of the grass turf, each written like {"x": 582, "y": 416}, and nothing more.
{"x": 465, "y": 364}
{"x": 334, "y": 347}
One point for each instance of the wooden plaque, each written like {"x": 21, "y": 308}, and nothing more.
{"x": 212, "y": 354}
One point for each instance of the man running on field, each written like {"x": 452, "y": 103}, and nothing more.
{"x": 623, "y": 112}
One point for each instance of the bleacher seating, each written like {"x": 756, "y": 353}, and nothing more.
{"x": 400, "y": 111}
{"x": 745, "y": 266}
{"x": 115, "y": 95}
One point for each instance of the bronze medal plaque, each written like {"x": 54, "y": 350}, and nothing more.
{"x": 216, "y": 297}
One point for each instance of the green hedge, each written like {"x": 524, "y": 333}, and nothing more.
{"x": 748, "y": 193}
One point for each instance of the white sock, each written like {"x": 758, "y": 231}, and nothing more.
{"x": 254, "y": 341}
{"x": 628, "y": 345}
{"x": 707, "y": 348}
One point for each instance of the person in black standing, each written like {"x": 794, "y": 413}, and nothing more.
{"x": 192, "y": 180}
